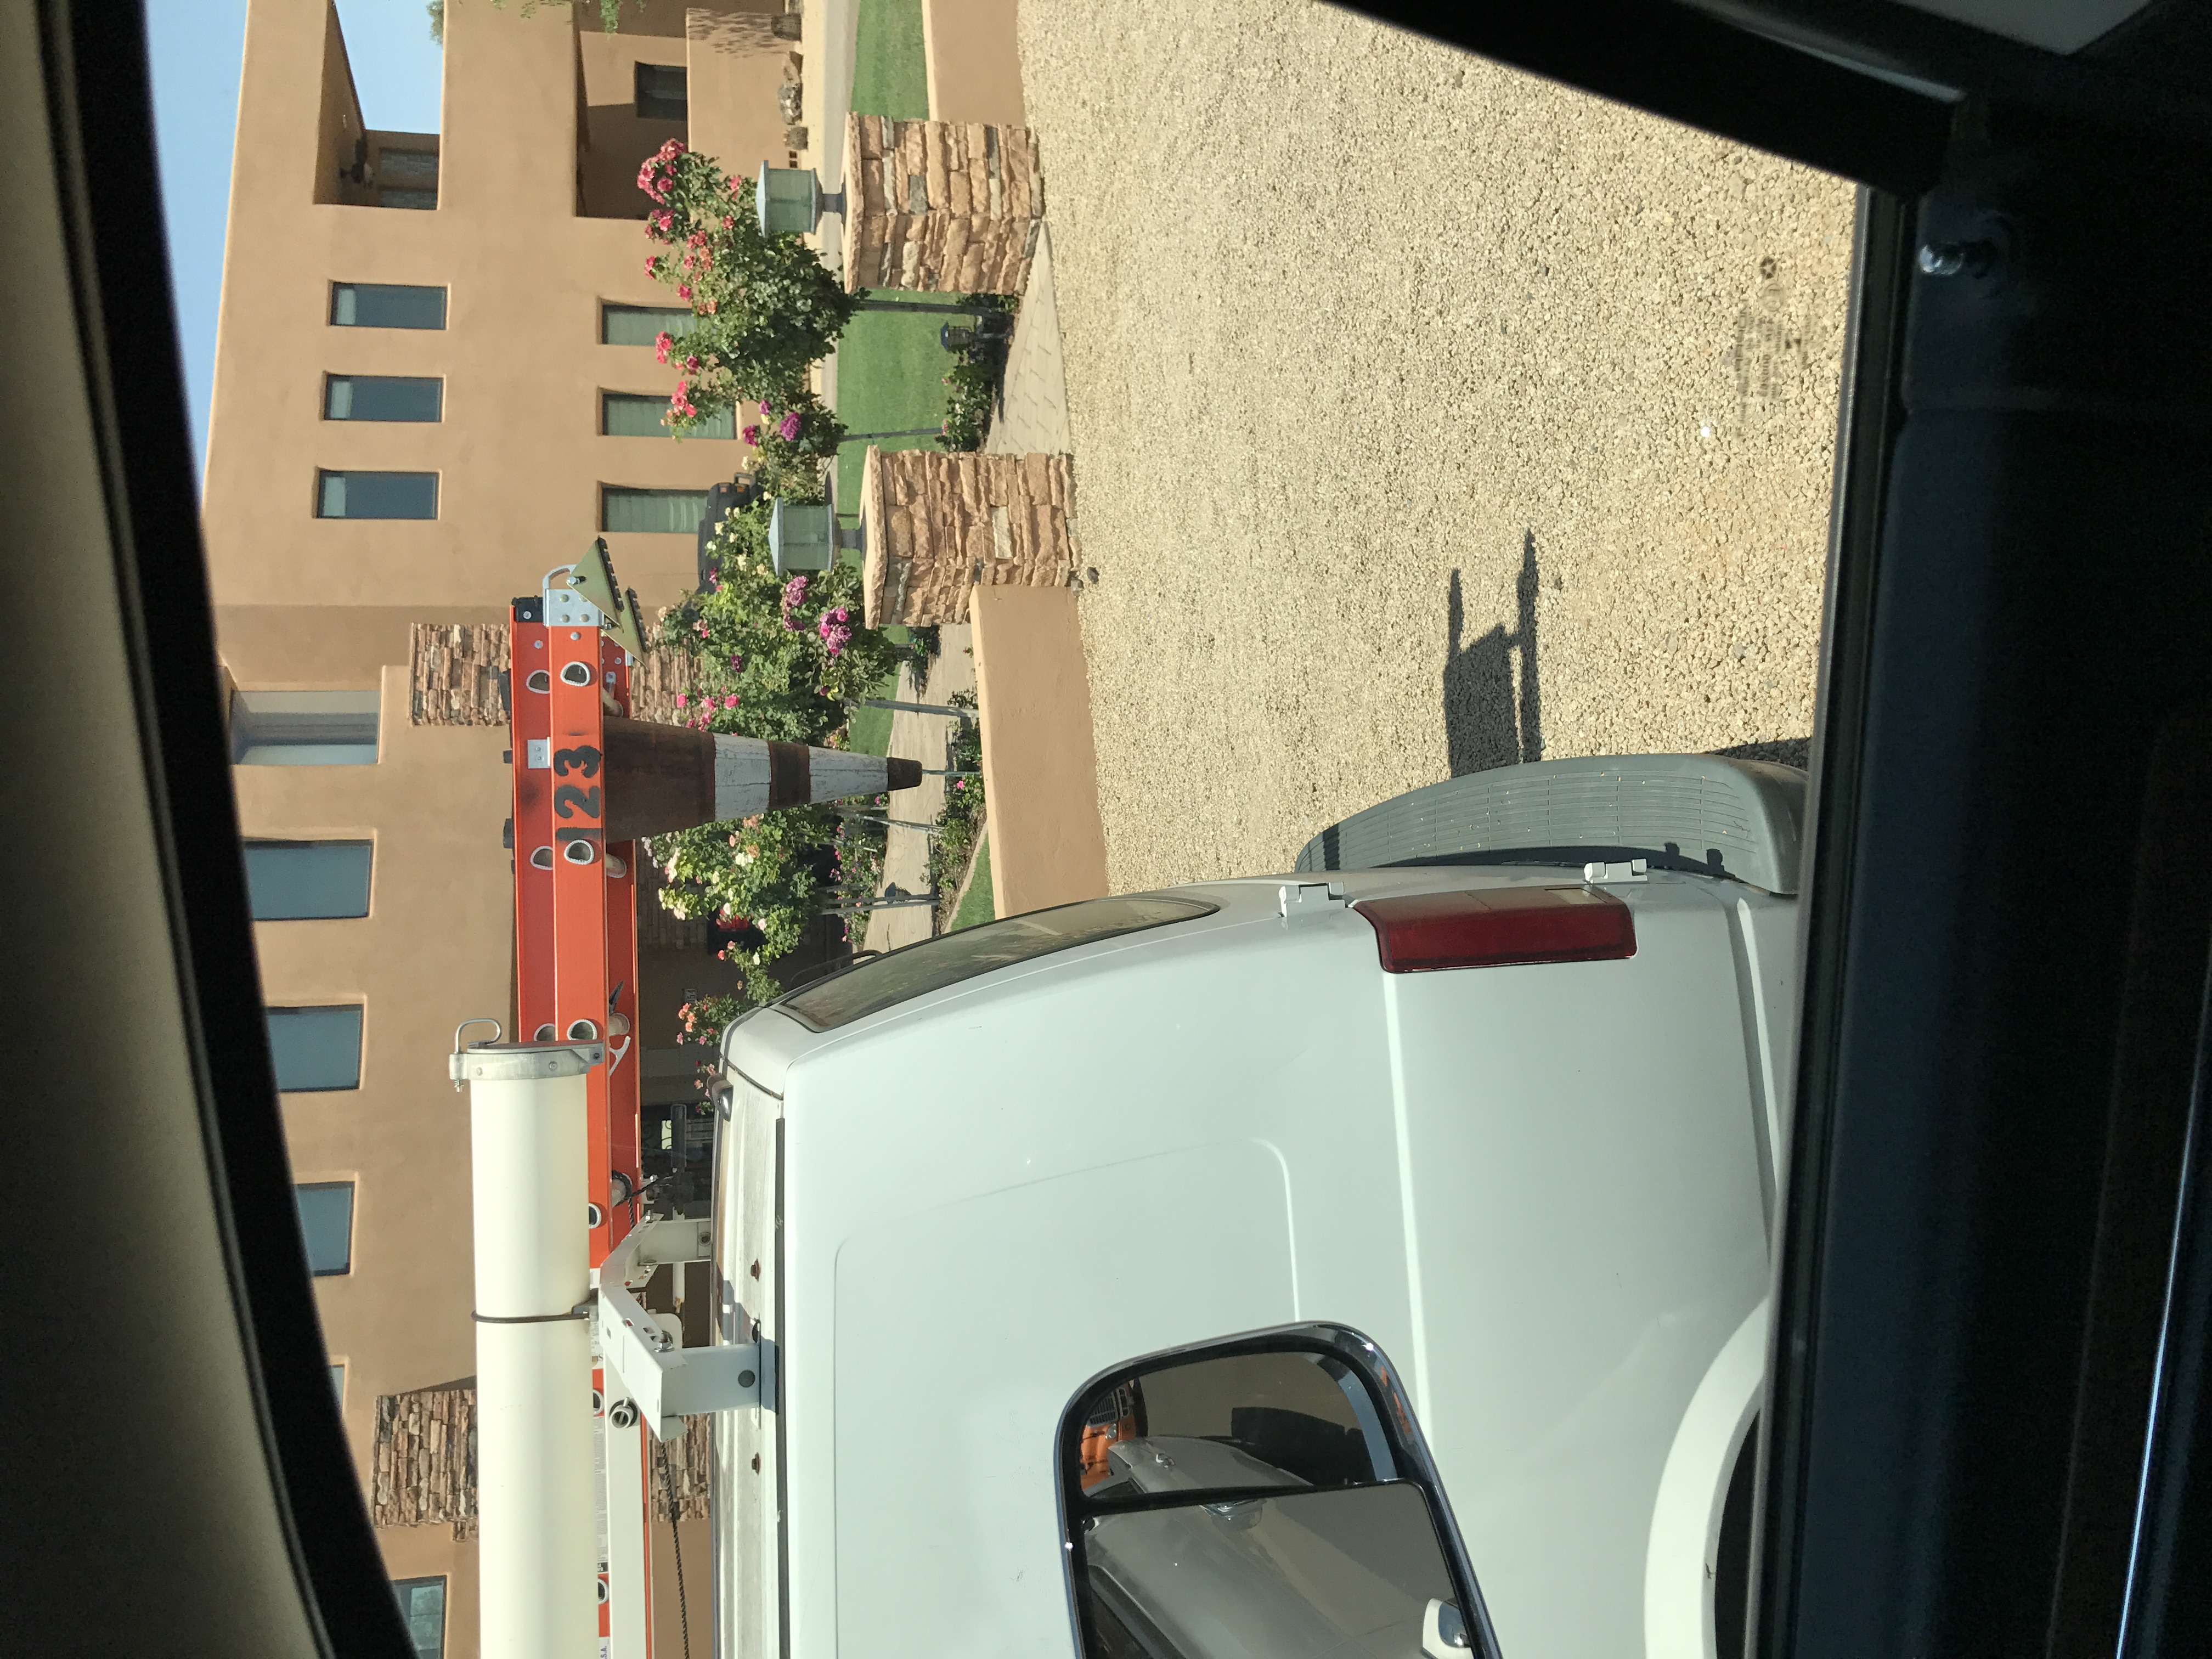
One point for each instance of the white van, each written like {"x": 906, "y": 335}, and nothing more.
{"x": 1366, "y": 1261}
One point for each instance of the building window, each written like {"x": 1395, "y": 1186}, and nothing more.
{"x": 337, "y": 1381}
{"x": 387, "y": 305}
{"x": 422, "y": 1605}
{"x": 376, "y": 495}
{"x": 308, "y": 880}
{"x": 303, "y": 728}
{"x": 661, "y": 511}
{"x": 316, "y": 1050}
{"x": 661, "y": 94}
{"x": 327, "y": 1224}
{"x": 640, "y": 324}
{"x": 639, "y": 414}
{"x": 407, "y": 178}
{"x": 383, "y": 397}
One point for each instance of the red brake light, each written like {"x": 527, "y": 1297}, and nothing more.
{"x": 1497, "y": 927}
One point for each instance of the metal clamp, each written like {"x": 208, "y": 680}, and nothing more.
{"x": 669, "y": 1382}
{"x": 583, "y": 1309}
{"x": 508, "y": 1062}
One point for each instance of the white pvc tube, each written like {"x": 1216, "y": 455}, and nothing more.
{"x": 536, "y": 1552}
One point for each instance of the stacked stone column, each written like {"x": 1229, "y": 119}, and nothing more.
{"x": 938, "y": 526}
{"x": 943, "y": 207}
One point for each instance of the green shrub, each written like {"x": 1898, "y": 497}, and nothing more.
{"x": 972, "y": 388}
{"x": 797, "y": 436}
{"x": 783, "y": 660}
{"x": 766, "y": 307}
{"x": 765, "y": 872}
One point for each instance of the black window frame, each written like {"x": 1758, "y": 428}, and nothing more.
{"x": 1360, "y": 1356}
{"x": 655, "y": 102}
{"x": 445, "y": 1609}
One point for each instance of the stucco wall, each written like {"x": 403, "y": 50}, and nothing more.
{"x": 974, "y": 60}
{"x": 519, "y": 454}
{"x": 1040, "y": 772}
{"x": 434, "y": 950}
{"x": 736, "y": 66}
{"x": 310, "y": 603}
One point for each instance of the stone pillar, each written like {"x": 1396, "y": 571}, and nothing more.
{"x": 937, "y": 525}
{"x": 457, "y": 676}
{"x": 943, "y": 207}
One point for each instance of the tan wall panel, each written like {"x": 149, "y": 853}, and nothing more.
{"x": 339, "y": 125}
{"x": 1040, "y": 770}
{"x": 432, "y": 1552}
{"x": 736, "y": 66}
{"x": 311, "y": 647}
{"x": 433, "y": 950}
{"x": 518, "y": 453}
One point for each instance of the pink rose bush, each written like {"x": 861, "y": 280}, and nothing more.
{"x": 765, "y": 309}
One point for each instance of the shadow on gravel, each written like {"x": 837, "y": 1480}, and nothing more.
{"x": 1783, "y": 752}
{"x": 1485, "y": 725}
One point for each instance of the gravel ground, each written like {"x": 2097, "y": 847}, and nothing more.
{"x": 1427, "y": 417}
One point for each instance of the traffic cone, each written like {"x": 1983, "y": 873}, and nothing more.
{"x": 664, "y": 778}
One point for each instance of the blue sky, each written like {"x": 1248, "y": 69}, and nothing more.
{"x": 196, "y": 46}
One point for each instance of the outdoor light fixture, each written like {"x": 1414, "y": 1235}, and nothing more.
{"x": 804, "y": 536}
{"x": 791, "y": 200}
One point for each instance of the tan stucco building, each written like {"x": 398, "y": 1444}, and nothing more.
{"x": 419, "y": 382}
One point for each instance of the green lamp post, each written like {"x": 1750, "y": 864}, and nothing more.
{"x": 804, "y": 536}
{"x": 791, "y": 200}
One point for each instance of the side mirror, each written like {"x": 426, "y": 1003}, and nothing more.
{"x": 1266, "y": 1496}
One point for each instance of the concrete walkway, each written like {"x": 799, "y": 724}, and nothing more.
{"x": 924, "y": 737}
{"x": 1032, "y": 415}
{"x": 829, "y": 42}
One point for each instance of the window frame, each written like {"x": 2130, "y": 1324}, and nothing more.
{"x": 368, "y": 875}
{"x": 437, "y": 382}
{"x": 242, "y": 715}
{"x": 608, "y": 398}
{"x": 352, "y": 1211}
{"x": 609, "y": 308}
{"x": 445, "y": 1607}
{"x": 443, "y": 291}
{"x": 274, "y": 1010}
{"x": 323, "y": 474}
{"x": 641, "y": 95}
{"x": 611, "y": 493}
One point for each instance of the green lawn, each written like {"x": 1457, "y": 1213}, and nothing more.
{"x": 871, "y": 728}
{"x": 889, "y": 369}
{"x": 890, "y": 377}
{"x": 976, "y": 903}
{"x": 890, "y": 76}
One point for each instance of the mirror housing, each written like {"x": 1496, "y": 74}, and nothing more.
{"x": 1270, "y": 1492}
